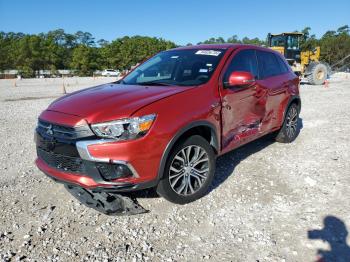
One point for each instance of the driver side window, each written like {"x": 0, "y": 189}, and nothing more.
{"x": 244, "y": 61}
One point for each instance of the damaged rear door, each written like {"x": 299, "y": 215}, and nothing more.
{"x": 273, "y": 77}
{"x": 243, "y": 108}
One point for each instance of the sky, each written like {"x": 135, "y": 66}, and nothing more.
{"x": 181, "y": 21}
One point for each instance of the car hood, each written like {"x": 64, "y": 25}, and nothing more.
{"x": 111, "y": 101}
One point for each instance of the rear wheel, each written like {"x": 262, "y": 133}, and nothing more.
{"x": 289, "y": 130}
{"x": 189, "y": 171}
{"x": 318, "y": 73}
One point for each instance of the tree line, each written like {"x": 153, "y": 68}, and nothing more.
{"x": 334, "y": 44}
{"x": 57, "y": 49}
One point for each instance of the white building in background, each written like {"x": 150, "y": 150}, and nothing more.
{"x": 11, "y": 73}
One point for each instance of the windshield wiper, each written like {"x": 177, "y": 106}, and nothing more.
{"x": 154, "y": 83}
{"x": 120, "y": 81}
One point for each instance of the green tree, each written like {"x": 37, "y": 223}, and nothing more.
{"x": 335, "y": 45}
{"x": 233, "y": 39}
{"x": 308, "y": 41}
{"x": 343, "y": 30}
{"x": 84, "y": 60}
{"x": 85, "y": 38}
{"x": 125, "y": 52}
{"x": 57, "y": 49}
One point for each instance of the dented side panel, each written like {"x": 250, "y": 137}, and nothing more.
{"x": 250, "y": 112}
{"x": 243, "y": 114}
{"x": 277, "y": 96}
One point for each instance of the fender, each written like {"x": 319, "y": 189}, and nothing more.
{"x": 214, "y": 141}
{"x": 292, "y": 99}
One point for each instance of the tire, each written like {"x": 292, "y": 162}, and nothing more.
{"x": 318, "y": 73}
{"x": 185, "y": 181}
{"x": 289, "y": 130}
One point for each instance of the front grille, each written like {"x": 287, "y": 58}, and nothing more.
{"x": 64, "y": 132}
{"x": 61, "y": 162}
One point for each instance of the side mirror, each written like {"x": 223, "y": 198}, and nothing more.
{"x": 239, "y": 79}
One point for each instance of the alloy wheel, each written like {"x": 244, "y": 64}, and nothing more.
{"x": 292, "y": 121}
{"x": 189, "y": 170}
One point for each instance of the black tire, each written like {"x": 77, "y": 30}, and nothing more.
{"x": 290, "y": 129}
{"x": 196, "y": 183}
{"x": 318, "y": 73}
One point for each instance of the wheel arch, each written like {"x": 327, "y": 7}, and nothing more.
{"x": 203, "y": 128}
{"x": 293, "y": 99}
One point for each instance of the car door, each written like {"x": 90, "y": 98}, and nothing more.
{"x": 242, "y": 110}
{"x": 272, "y": 79}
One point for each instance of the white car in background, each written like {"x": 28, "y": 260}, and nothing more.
{"x": 110, "y": 72}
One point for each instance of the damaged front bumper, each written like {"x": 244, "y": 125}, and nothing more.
{"x": 100, "y": 183}
{"x": 107, "y": 203}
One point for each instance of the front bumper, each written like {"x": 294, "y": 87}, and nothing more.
{"x": 85, "y": 181}
{"x": 84, "y": 162}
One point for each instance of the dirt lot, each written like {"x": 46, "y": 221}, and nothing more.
{"x": 265, "y": 199}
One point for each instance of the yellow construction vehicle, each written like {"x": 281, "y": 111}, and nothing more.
{"x": 303, "y": 63}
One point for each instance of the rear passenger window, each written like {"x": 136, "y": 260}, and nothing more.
{"x": 245, "y": 61}
{"x": 283, "y": 67}
{"x": 268, "y": 65}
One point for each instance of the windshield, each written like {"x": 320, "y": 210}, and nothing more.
{"x": 293, "y": 42}
{"x": 278, "y": 40}
{"x": 176, "y": 67}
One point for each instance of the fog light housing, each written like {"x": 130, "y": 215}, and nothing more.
{"x": 121, "y": 170}
{"x": 110, "y": 171}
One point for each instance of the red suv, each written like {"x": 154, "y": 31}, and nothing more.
{"x": 164, "y": 124}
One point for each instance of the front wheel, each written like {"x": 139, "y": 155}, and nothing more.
{"x": 188, "y": 172}
{"x": 289, "y": 130}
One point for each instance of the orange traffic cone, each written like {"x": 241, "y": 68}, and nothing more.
{"x": 326, "y": 83}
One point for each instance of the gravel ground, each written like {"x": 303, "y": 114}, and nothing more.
{"x": 265, "y": 199}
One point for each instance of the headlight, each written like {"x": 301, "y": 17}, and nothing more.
{"x": 124, "y": 129}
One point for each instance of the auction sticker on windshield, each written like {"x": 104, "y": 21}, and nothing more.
{"x": 208, "y": 52}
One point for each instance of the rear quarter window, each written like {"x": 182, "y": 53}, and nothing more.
{"x": 268, "y": 65}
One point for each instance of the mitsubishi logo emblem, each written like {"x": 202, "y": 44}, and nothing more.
{"x": 49, "y": 130}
